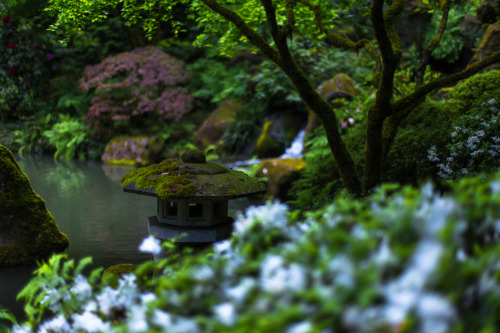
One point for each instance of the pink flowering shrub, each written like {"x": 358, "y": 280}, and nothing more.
{"x": 132, "y": 86}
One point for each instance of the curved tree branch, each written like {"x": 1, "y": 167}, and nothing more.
{"x": 403, "y": 107}
{"x": 433, "y": 44}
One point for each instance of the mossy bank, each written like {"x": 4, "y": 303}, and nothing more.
{"x": 28, "y": 231}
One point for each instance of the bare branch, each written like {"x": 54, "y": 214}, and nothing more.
{"x": 406, "y": 102}
{"x": 433, "y": 44}
{"x": 254, "y": 37}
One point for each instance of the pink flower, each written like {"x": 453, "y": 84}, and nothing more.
{"x": 6, "y": 19}
{"x": 49, "y": 55}
{"x": 12, "y": 71}
{"x": 343, "y": 124}
{"x": 351, "y": 121}
{"x": 11, "y": 45}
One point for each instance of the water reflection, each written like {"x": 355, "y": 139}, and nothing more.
{"x": 99, "y": 218}
{"x": 89, "y": 205}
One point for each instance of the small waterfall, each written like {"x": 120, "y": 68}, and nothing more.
{"x": 294, "y": 151}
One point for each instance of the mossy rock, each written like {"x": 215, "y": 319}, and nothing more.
{"x": 467, "y": 92}
{"x": 267, "y": 144}
{"x": 172, "y": 179}
{"x": 214, "y": 127}
{"x": 112, "y": 274}
{"x": 281, "y": 173}
{"x": 131, "y": 150}
{"x": 340, "y": 86}
{"x": 490, "y": 43}
{"x": 28, "y": 231}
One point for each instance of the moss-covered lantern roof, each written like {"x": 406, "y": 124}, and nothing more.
{"x": 192, "y": 177}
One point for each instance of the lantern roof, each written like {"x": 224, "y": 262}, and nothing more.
{"x": 192, "y": 177}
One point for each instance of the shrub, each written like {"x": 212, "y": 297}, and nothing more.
{"x": 134, "y": 85}
{"x": 29, "y": 136}
{"x": 26, "y": 64}
{"x": 403, "y": 260}
{"x": 465, "y": 93}
{"x": 475, "y": 142}
{"x": 429, "y": 125}
{"x": 67, "y": 136}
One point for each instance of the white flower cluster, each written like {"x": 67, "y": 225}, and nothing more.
{"x": 470, "y": 145}
{"x": 328, "y": 258}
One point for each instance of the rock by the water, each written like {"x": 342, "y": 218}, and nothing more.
{"x": 28, "y": 231}
{"x": 133, "y": 150}
{"x": 281, "y": 173}
{"x": 268, "y": 144}
{"x": 213, "y": 128}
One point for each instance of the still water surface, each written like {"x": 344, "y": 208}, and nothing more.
{"x": 89, "y": 206}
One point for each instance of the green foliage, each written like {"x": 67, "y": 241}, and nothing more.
{"x": 465, "y": 93}
{"x": 474, "y": 144}
{"x": 29, "y": 138}
{"x": 67, "y": 136}
{"x": 53, "y": 275}
{"x": 429, "y": 125}
{"x": 320, "y": 180}
{"x": 27, "y": 62}
{"x": 242, "y": 132}
{"x": 215, "y": 81}
{"x": 403, "y": 259}
{"x": 453, "y": 39}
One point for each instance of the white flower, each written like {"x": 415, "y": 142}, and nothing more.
{"x": 436, "y": 314}
{"x": 383, "y": 256}
{"x": 271, "y": 215}
{"x": 226, "y": 313}
{"x": 137, "y": 319}
{"x": 148, "y": 298}
{"x": 203, "y": 273}
{"x": 275, "y": 277}
{"x": 302, "y": 327}
{"x": 183, "y": 325}
{"x": 21, "y": 329}
{"x": 150, "y": 245}
{"x": 81, "y": 288}
{"x": 162, "y": 318}
{"x": 58, "y": 324}
{"x": 89, "y": 322}
{"x": 239, "y": 292}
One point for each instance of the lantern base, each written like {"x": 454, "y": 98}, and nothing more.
{"x": 202, "y": 234}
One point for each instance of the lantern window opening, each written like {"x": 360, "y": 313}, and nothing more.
{"x": 171, "y": 209}
{"x": 195, "y": 210}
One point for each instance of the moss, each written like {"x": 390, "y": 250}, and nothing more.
{"x": 112, "y": 274}
{"x": 29, "y": 231}
{"x": 465, "y": 93}
{"x": 172, "y": 179}
{"x": 167, "y": 177}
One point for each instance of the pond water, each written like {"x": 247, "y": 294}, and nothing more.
{"x": 89, "y": 206}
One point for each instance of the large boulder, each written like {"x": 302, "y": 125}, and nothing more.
{"x": 340, "y": 86}
{"x": 213, "y": 128}
{"x": 490, "y": 43}
{"x": 28, "y": 231}
{"x": 280, "y": 173}
{"x": 133, "y": 150}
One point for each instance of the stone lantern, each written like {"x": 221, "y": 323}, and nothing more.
{"x": 192, "y": 196}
